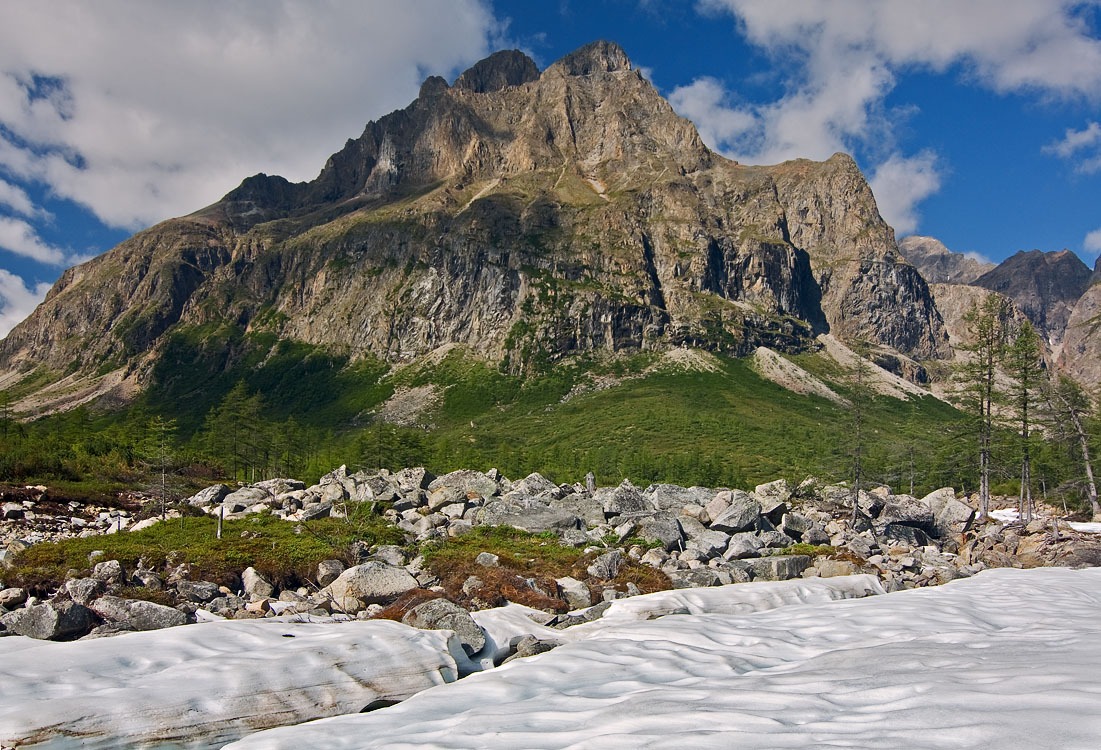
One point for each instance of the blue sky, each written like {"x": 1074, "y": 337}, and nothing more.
{"x": 977, "y": 121}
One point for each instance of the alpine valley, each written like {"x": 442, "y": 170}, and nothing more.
{"x": 538, "y": 269}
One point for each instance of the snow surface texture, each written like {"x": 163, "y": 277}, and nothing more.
{"x": 200, "y": 686}
{"x": 1008, "y": 659}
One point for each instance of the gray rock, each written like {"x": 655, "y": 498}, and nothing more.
{"x": 255, "y": 585}
{"x": 741, "y": 515}
{"x": 373, "y": 582}
{"x": 828, "y": 568}
{"x": 198, "y": 591}
{"x": 52, "y": 620}
{"x": 237, "y": 501}
{"x": 582, "y": 505}
{"x": 693, "y": 579}
{"x": 534, "y": 520}
{"x": 84, "y": 590}
{"x": 775, "y": 539}
{"x": 575, "y": 592}
{"x": 138, "y": 614}
{"x": 390, "y": 554}
{"x": 536, "y": 484}
{"x": 710, "y": 543}
{"x": 779, "y": 568}
{"x": 412, "y": 480}
{"x": 487, "y": 560}
{"x": 816, "y": 534}
{"x": 606, "y": 567}
{"x": 898, "y": 533}
{"x": 441, "y": 614}
{"x": 774, "y": 497}
{"x": 12, "y": 597}
{"x": 524, "y": 646}
{"x": 672, "y": 497}
{"x": 109, "y": 571}
{"x": 661, "y": 527}
{"x": 742, "y": 546}
{"x": 328, "y": 571}
{"x": 11, "y": 511}
{"x": 906, "y": 510}
{"x": 794, "y": 525}
{"x": 460, "y": 486}
{"x": 624, "y": 499}
{"x": 951, "y": 516}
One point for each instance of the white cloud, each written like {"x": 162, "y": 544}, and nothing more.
{"x": 1092, "y": 242}
{"x": 1083, "y": 147}
{"x": 721, "y": 126}
{"x": 17, "y": 301}
{"x": 847, "y": 55}
{"x": 16, "y": 199}
{"x": 19, "y": 237}
{"x": 900, "y": 184}
{"x": 143, "y": 111}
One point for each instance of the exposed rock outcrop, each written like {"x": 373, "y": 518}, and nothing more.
{"x": 939, "y": 265}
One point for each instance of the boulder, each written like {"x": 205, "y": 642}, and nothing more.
{"x": 774, "y": 497}
{"x": 108, "y": 571}
{"x": 606, "y": 567}
{"x": 536, "y": 484}
{"x": 742, "y": 546}
{"x": 84, "y": 590}
{"x": 255, "y": 585}
{"x": 908, "y": 511}
{"x": 52, "y": 620}
{"x": 328, "y": 571}
{"x": 373, "y": 582}
{"x": 237, "y": 501}
{"x": 898, "y": 533}
{"x": 575, "y": 592}
{"x": 740, "y": 515}
{"x": 460, "y": 486}
{"x": 710, "y": 543}
{"x": 527, "y": 645}
{"x": 673, "y": 497}
{"x": 661, "y": 527}
{"x": 199, "y": 592}
{"x": 693, "y": 579}
{"x": 532, "y": 520}
{"x": 951, "y": 515}
{"x": 441, "y": 614}
{"x": 136, "y": 614}
{"x": 829, "y": 568}
{"x": 12, "y": 597}
{"x": 779, "y": 568}
{"x": 624, "y": 499}
{"x": 11, "y": 511}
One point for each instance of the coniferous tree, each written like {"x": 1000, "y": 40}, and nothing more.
{"x": 1070, "y": 411}
{"x": 1024, "y": 364}
{"x": 979, "y": 391}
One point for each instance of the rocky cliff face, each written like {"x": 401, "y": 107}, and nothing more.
{"x": 526, "y": 215}
{"x": 939, "y": 265}
{"x": 1081, "y": 354}
{"x": 1045, "y": 286}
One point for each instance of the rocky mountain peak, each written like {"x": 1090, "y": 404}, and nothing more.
{"x": 595, "y": 57}
{"x": 498, "y": 71}
{"x": 1044, "y": 285}
{"x": 938, "y": 264}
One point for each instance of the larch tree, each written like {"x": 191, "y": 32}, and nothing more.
{"x": 978, "y": 378}
{"x": 1070, "y": 410}
{"x": 1025, "y": 366}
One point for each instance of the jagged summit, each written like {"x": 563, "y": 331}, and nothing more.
{"x": 499, "y": 70}
{"x": 525, "y": 216}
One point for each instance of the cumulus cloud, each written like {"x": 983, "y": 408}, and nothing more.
{"x": 19, "y": 237}
{"x": 1083, "y": 147}
{"x": 846, "y": 56}
{"x": 900, "y": 184}
{"x": 17, "y": 300}
{"x": 16, "y": 199}
{"x": 1092, "y": 242}
{"x": 148, "y": 110}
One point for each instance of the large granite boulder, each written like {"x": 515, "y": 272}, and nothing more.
{"x": 373, "y": 582}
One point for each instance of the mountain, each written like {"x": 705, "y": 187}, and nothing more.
{"x": 525, "y": 215}
{"x": 1045, "y": 286}
{"x": 1081, "y": 354}
{"x": 938, "y": 264}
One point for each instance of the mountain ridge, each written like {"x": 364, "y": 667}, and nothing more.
{"x": 527, "y": 217}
